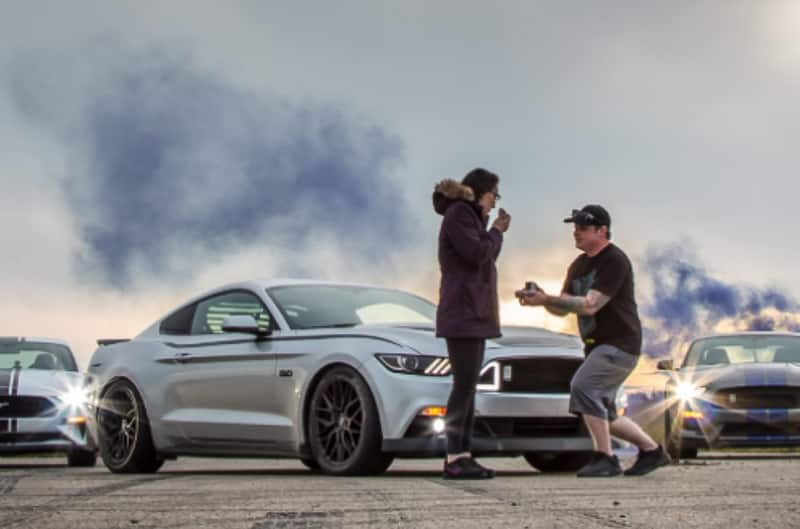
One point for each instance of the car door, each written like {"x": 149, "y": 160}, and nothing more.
{"x": 222, "y": 384}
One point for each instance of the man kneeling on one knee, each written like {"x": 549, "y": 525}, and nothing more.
{"x": 599, "y": 289}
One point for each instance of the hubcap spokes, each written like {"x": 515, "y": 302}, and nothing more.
{"x": 120, "y": 424}
{"x": 339, "y": 417}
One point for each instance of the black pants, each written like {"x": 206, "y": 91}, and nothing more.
{"x": 466, "y": 358}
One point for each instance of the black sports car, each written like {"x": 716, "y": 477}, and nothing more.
{"x": 736, "y": 390}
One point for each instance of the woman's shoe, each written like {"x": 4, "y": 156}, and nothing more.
{"x": 466, "y": 468}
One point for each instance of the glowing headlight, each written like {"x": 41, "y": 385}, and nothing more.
{"x": 688, "y": 391}
{"x": 439, "y": 425}
{"x": 75, "y": 397}
{"x": 416, "y": 364}
{"x": 489, "y": 379}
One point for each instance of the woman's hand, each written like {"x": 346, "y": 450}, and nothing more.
{"x": 502, "y": 221}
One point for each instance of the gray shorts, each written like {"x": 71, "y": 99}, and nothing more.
{"x": 593, "y": 390}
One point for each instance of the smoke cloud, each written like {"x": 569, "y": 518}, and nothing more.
{"x": 173, "y": 168}
{"x": 686, "y": 302}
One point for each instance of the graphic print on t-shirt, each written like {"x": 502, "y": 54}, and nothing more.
{"x": 580, "y": 287}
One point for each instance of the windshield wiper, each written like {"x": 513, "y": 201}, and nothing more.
{"x": 330, "y": 325}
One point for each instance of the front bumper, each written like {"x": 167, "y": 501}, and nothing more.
{"x": 505, "y": 424}
{"x": 19, "y": 435}
{"x": 722, "y": 427}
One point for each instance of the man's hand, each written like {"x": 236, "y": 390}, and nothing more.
{"x": 502, "y": 221}
{"x": 533, "y": 298}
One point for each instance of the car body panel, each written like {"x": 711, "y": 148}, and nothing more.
{"x": 749, "y": 404}
{"x": 236, "y": 394}
{"x": 33, "y": 416}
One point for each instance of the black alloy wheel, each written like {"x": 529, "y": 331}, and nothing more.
{"x": 126, "y": 445}
{"x": 673, "y": 442}
{"x": 343, "y": 426}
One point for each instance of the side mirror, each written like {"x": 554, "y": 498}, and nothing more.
{"x": 242, "y": 323}
{"x": 665, "y": 365}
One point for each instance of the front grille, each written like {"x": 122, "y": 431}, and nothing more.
{"x": 24, "y": 406}
{"x": 747, "y": 398}
{"x": 538, "y": 375}
{"x": 527, "y": 426}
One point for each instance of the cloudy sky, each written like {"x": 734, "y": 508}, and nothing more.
{"x": 152, "y": 151}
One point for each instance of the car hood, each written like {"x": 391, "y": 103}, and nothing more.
{"x": 39, "y": 382}
{"x": 516, "y": 341}
{"x": 738, "y": 375}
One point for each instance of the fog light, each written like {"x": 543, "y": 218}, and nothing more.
{"x": 438, "y": 425}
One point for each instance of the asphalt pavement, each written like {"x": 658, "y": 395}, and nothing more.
{"x": 717, "y": 490}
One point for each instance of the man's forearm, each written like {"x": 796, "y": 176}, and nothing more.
{"x": 561, "y": 305}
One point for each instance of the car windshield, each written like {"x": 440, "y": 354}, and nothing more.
{"x": 744, "y": 349}
{"x": 326, "y": 306}
{"x": 36, "y": 355}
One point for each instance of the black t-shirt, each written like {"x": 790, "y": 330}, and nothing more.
{"x": 617, "y": 323}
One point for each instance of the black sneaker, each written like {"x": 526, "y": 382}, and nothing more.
{"x": 601, "y": 466}
{"x": 466, "y": 468}
{"x": 488, "y": 471}
{"x": 648, "y": 461}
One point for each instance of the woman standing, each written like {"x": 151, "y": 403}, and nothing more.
{"x": 468, "y": 311}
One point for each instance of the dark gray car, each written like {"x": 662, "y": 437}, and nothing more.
{"x": 735, "y": 390}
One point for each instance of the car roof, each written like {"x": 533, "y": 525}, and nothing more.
{"x": 749, "y": 333}
{"x": 36, "y": 339}
{"x": 261, "y": 284}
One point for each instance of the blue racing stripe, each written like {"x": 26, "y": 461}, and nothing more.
{"x": 775, "y": 378}
{"x": 754, "y": 378}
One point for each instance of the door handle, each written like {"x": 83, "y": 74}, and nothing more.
{"x": 177, "y": 358}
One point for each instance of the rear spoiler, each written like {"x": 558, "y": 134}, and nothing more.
{"x": 111, "y": 341}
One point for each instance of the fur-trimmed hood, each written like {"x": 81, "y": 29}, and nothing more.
{"x": 448, "y": 191}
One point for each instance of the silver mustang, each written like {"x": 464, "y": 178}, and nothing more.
{"x": 344, "y": 377}
{"x": 43, "y": 400}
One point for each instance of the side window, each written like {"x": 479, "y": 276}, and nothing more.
{"x": 212, "y": 312}
{"x": 179, "y": 322}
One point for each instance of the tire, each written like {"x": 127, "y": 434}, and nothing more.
{"x": 674, "y": 444}
{"x": 81, "y": 458}
{"x": 311, "y": 464}
{"x": 344, "y": 430}
{"x": 124, "y": 439}
{"x": 558, "y": 461}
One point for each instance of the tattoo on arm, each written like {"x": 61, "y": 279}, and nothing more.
{"x": 595, "y": 301}
{"x": 564, "y": 304}
{"x": 588, "y": 305}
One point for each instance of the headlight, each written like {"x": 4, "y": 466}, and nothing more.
{"x": 688, "y": 391}
{"x": 416, "y": 364}
{"x": 75, "y": 397}
{"x": 489, "y": 379}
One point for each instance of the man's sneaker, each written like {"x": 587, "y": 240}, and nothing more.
{"x": 466, "y": 468}
{"x": 601, "y": 466}
{"x": 648, "y": 461}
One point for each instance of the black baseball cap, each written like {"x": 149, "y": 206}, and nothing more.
{"x": 591, "y": 215}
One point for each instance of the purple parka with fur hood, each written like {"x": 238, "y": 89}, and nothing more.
{"x": 467, "y": 253}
